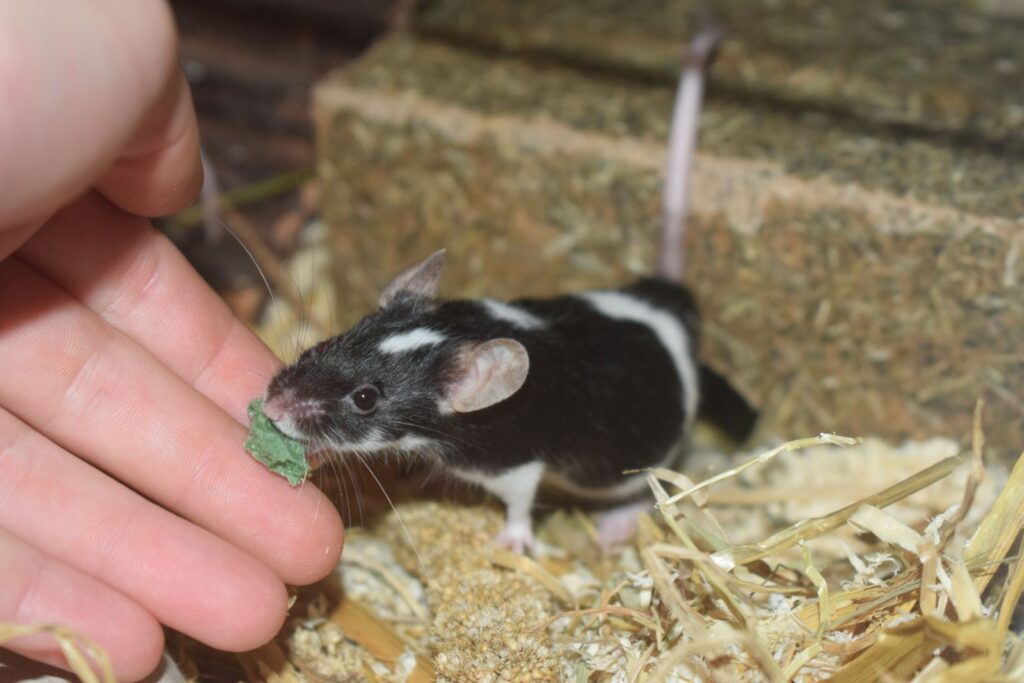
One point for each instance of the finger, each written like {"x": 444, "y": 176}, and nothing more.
{"x": 135, "y": 279}
{"x": 184, "y": 576}
{"x": 104, "y": 398}
{"x": 160, "y": 170}
{"x": 83, "y": 81}
{"x": 40, "y": 590}
{"x": 12, "y": 237}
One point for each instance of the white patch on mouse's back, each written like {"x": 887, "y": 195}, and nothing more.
{"x": 666, "y": 327}
{"x": 524, "y": 320}
{"x": 413, "y": 339}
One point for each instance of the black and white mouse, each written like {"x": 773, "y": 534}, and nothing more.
{"x": 570, "y": 391}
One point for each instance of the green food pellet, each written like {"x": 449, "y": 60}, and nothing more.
{"x": 278, "y": 451}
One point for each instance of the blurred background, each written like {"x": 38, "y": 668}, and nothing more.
{"x": 855, "y": 230}
{"x": 252, "y": 65}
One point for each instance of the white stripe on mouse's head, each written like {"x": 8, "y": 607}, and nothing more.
{"x": 411, "y": 340}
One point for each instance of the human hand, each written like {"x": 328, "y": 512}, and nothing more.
{"x": 126, "y": 501}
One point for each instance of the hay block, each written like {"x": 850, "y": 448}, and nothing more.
{"x": 851, "y": 278}
{"x": 951, "y": 67}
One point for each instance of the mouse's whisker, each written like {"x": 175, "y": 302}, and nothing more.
{"x": 266, "y": 378}
{"x": 317, "y": 323}
{"x": 434, "y": 430}
{"x": 342, "y": 478}
{"x": 398, "y": 516}
{"x": 346, "y": 475}
{"x": 357, "y": 487}
{"x": 298, "y": 340}
{"x": 330, "y": 301}
{"x": 304, "y": 314}
{"x": 318, "y": 444}
{"x": 263, "y": 277}
{"x": 434, "y": 470}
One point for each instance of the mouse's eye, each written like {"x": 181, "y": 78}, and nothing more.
{"x": 365, "y": 399}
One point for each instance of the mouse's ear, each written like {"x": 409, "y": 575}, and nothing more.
{"x": 419, "y": 280}
{"x": 487, "y": 373}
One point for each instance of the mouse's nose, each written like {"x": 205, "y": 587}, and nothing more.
{"x": 276, "y": 407}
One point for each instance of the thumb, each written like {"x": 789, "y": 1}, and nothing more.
{"x": 93, "y": 95}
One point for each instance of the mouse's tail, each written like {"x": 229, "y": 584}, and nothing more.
{"x": 724, "y": 407}
{"x": 681, "y": 145}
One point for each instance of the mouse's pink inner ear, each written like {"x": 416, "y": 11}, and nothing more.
{"x": 421, "y": 280}
{"x": 487, "y": 374}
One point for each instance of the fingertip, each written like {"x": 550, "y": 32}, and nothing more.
{"x": 132, "y": 662}
{"x": 133, "y": 638}
{"x": 251, "y": 611}
{"x": 86, "y": 84}
{"x": 312, "y": 538}
{"x": 141, "y": 660}
{"x": 323, "y": 548}
{"x": 46, "y": 591}
{"x": 295, "y": 531}
{"x": 161, "y": 172}
{"x": 220, "y": 595}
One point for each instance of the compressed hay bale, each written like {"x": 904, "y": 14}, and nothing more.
{"x": 939, "y": 66}
{"x": 851, "y": 280}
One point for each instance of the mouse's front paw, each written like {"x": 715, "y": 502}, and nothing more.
{"x": 516, "y": 537}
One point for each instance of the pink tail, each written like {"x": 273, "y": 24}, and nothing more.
{"x": 681, "y": 145}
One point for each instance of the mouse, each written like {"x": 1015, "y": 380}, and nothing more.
{"x": 576, "y": 392}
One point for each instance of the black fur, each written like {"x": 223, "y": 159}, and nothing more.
{"x": 602, "y": 395}
{"x": 722, "y": 406}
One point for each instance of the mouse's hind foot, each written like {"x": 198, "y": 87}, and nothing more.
{"x": 618, "y": 525}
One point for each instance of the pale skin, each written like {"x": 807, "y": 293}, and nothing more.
{"x": 126, "y": 500}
